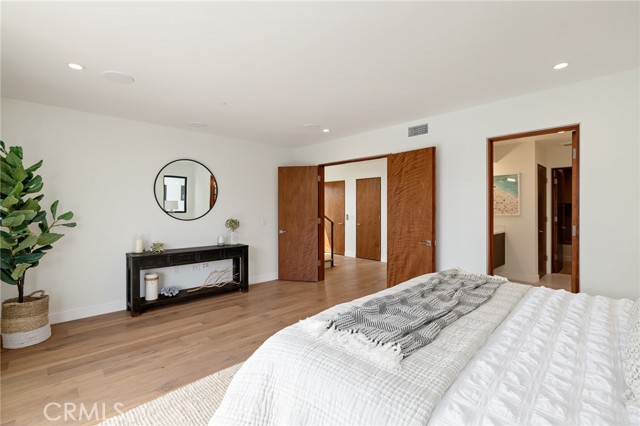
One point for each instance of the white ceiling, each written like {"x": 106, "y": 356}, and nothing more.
{"x": 352, "y": 67}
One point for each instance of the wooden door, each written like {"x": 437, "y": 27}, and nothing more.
{"x": 542, "y": 220}
{"x": 298, "y": 227}
{"x": 411, "y": 218}
{"x": 556, "y": 224}
{"x": 334, "y": 210}
{"x": 368, "y": 218}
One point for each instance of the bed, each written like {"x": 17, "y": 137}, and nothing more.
{"x": 528, "y": 355}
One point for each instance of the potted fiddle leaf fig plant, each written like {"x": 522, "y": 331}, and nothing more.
{"x": 25, "y": 237}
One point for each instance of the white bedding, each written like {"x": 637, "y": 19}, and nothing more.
{"x": 295, "y": 378}
{"x": 557, "y": 359}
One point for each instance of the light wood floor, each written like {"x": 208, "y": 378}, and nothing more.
{"x": 114, "y": 358}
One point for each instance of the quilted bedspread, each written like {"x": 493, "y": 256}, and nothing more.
{"x": 295, "y": 378}
{"x": 557, "y": 359}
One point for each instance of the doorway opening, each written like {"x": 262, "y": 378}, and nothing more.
{"x": 533, "y": 207}
{"x": 355, "y": 211}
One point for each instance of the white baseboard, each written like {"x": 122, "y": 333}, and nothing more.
{"x": 255, "y": 279}
{"x": 106, "y": 308}
{"x": 516, "y": 276}
{"x": 89, "y": 311}
{"x": 350, "y": 253}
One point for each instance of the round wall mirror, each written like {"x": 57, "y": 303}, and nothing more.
{"x": 185, "y": 189}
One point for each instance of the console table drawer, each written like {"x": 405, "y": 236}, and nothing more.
{"x": 154, "y": 262}
{"x": 230, "y": 252}
{"x": 211, "y": 255}
{"x": 183, "y": 258}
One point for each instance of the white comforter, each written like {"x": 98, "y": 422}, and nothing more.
{"x": 557, "y": 359}
{"x": 295, "y": 378}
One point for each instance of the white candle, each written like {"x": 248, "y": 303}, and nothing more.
{"x": 139, "y": 245}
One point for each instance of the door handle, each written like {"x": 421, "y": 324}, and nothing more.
{"x": 340, "y": 223}
{"x": 425, "y": 243}
{"x": 281, "y": 231}
{"x": 357, "y": 224}
{"x": 540, "y": 231}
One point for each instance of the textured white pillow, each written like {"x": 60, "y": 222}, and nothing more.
{"x": 632, "y": 356}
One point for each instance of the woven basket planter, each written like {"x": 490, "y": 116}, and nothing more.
{"x": 25, "y": 324}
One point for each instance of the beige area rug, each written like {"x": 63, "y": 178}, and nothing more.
{"x": 190, "y": 405}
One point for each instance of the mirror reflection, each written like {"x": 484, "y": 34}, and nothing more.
{"x": 185, "y": 189}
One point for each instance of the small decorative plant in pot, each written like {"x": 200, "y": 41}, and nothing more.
{"x": 25, "y": 237}
{"x": 232, "y": 225}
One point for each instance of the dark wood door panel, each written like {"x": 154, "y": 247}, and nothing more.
{"x": 542, "y": 220}
{"x": 298, "y": 223}
{"x": 368, "y": 231}
{"x": 411, "y": 218}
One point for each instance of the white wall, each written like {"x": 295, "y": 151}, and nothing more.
{"x": 349, "y": 172}
{"x": 607, "y": 109}
{"x": 521, "y": 238}
{"x": 91, "y": 160}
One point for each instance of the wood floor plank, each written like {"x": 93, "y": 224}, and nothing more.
{"x": 118, "y": 359}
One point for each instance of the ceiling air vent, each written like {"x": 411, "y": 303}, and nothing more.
{"x": 420, "y": 129}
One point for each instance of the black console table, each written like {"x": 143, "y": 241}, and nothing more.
{"x": 136, "y": 262}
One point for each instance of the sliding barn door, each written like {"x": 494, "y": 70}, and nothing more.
{"x": 298, "y": 228}
{"x": 411, "y": 211}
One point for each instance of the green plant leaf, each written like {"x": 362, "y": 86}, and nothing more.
{"x": 19, "y": 270}
{"x": 43, "y": 225}
{"x": 69, "y": 225}
{"x": 34, "y": 189}
{"x": 13, "y": 221}
{"x": 18, "y": 173}
{"x": 30, "y": 258}
{"x": 39, "y": 197}
{"x": 48, "y": 238}
{"x": 66, "y": 216}
{"x": 54, "y": 208}
{"x": 6, "y": 277}
{"x": 5, "y": 244}
{"x": 34, "y": 167}
{"x": 28, "y": 214}
{"x": 9, "y": 201}
{"x": 5, "y": 177}
{"x": 12, "y": 159}
{"x": 32, "y": 204}
{"x": 44, "y": 248}
{"x": 40, "y": 216}
{"x": 36, "y": 181}
{"x": 17, "y": 189}
{"x": 28, "y": 242}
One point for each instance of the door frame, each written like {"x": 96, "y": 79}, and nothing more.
{"x": 575, "y": 195}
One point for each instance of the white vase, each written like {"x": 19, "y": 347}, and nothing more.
{"x": 150, "y": 286}
{"x": 232, "y": 237}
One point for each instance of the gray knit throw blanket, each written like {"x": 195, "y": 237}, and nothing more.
{"x": 412, "y": 318}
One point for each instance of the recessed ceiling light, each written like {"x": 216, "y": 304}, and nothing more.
{"x": 326, "y": 130}
{"x": 198, "y": 124}
{"x": 118, "y": 77}
{"x": 560, "y": 66}
{"x": 76, "y": 67}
